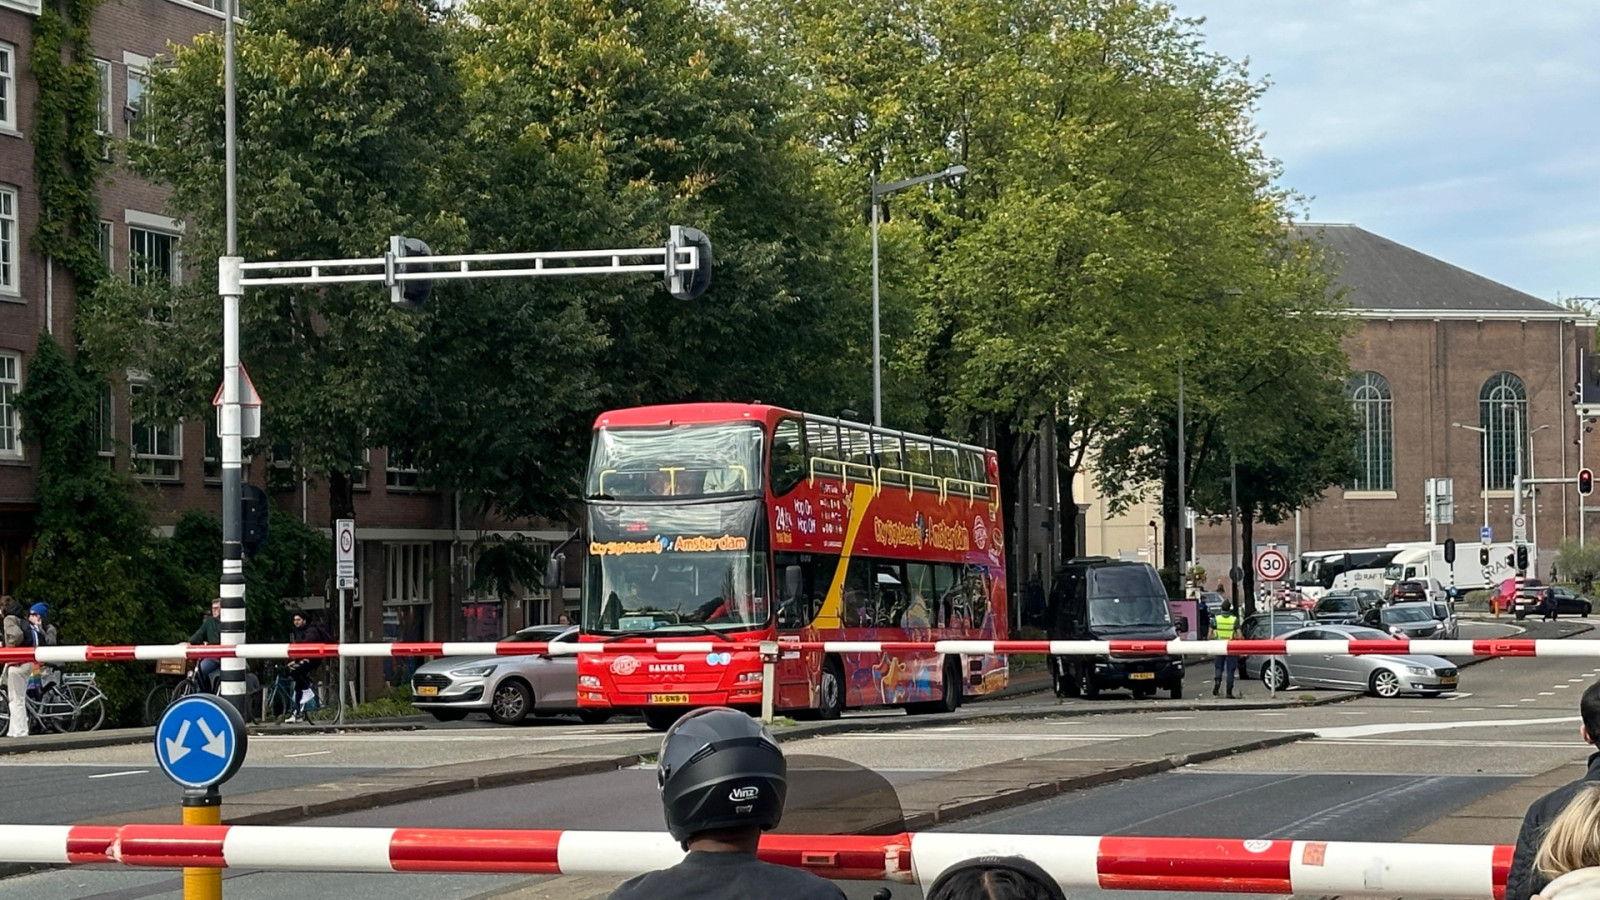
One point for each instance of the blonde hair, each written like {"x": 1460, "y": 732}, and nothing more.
{"x": 1573, "y": 839}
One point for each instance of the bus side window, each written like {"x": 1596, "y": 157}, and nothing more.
{"x": 889, "y": 594}
{"x": 822, "y": 439}
{"x": 856, "y": 445}
{"x": 946, "y": 464}
{"x": 919, "y": 457}
{"x": 799, "y": 597}
{"x": 889, "y": 455}
{"x": 946, "y": 581}
{"x": 857, "y": 597}
{"x": 788, "y": 456}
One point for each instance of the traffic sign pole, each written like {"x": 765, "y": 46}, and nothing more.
{"x": 202, "y": 806}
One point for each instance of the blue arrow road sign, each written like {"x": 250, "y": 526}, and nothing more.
{"x": 200, "y": 741}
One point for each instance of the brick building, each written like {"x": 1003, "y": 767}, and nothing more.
{"x": 413, "y": 543}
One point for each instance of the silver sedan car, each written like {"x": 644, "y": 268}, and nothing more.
{"x": 508, "y": 688}
{"x": 1382, "y": 676}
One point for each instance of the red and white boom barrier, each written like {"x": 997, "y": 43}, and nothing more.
{"x": 1125, "y": 648}
{"x": 1219, "y": 865}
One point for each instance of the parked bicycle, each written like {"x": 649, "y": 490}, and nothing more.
{"x": 88, "y": 701}
{"x": 50, "y": 709}
{"x": 165, "y": 692}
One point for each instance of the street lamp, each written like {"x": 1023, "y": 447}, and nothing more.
{"x": 883, "y": 190}
{"x": 1533, "y": 494}
{"x": 1484, "y": 479}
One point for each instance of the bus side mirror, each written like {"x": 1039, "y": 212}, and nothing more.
{"x": 791, "y": 582}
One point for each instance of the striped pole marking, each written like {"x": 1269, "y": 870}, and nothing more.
{"x": 1214, "y": 865}
{"x": 1124, "y": 648}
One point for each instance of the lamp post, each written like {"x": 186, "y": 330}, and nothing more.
{"x": 883, "y": 190}
{"x": 1484, "y": 478}
{"x": 1533, "y": 496}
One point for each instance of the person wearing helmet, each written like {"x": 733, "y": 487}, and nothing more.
{"x": 723, "y": 781}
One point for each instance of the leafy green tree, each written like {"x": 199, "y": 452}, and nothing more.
{"x": 347, "y": 112}
{"x": 283, "y": 571}
{"x": 94, "y": 560}
{"x": 1578, "y": 564}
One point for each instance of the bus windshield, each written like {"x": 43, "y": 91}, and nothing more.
{"x": 675, "y": 461}
{"x": 676, "y": 569}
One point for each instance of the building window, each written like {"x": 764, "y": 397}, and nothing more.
{"x": 358, "y": 477}
{"x": 156, "y": 450}
{"x": 152, "y": 255}
{"x": 8, "y": 87}
{"x": 103, "y": 240}
{"x": 397, "y": 475}
{"x": 136, "y": 107}
{"x": 10, "y": 384}
{"x": 1369, "y": 393}
{"x": 408, "y": 574}
{"x": 102, "y": 423}
{"x": 102, "y": 110}
{"x": 1503, "y": 416}
{"x": 9, "y": 254}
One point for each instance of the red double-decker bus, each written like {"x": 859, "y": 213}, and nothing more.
{"x": 748, "y": 522}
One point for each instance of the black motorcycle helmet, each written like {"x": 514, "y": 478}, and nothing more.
{"x": 719, "y": 768}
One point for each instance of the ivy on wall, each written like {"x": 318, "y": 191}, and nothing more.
{"x": 69, "y": 154}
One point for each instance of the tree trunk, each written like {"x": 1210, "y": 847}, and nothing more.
{"x": 1247, "y": 559}
{"x": 341, "y": 496}
{"x": 1067, "y": 515}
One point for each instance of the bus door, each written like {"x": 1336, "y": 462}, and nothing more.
{"x": 800, "y": 591}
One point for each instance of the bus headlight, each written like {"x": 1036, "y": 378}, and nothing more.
{"x": 750, "y": 677}
{"x": 588, "y": 681}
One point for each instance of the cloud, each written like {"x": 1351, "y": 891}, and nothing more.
{"x": 1456, "y": 128}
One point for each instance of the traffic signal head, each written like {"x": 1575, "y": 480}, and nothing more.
{"x": 1450, "y": 551}
{"x": 254, "y": 513}
{"x": 685, "y": 283}
{"x": 1585, "y": 482}
{"x": 408, "y": 294}
{"x": 1483, "y": 556}
{"x": 1522, "y": 557}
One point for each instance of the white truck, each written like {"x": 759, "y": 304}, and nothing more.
{"x": 1426, "y": 563}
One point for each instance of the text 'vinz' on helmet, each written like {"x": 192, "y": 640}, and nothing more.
{"x": 720, "y": 769}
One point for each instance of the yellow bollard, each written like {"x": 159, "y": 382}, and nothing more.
{"x": 202, "y": 807}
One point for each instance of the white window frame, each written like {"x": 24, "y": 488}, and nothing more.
{"x": 408, "y": 573}
{"x": 10, "y": 243}
{"x": 104, "y": 422}
{"x": 106, "y": 241}
{"x": 138, "y": 259}
{"x": 31, "y": 7}
{"x": 8, "y": 87}
{"x": 103, "y": 119}
{"x": 10, "y": 421}
{"x": 161, "y": 466}
{"x": 399, "y": 478}
{"x": 133, "y": 103}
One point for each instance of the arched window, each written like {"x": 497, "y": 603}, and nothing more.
{"x": 1369, "y": 394}
{"x": 1503, "y": 416}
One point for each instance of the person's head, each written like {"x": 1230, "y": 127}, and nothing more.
{"x": 9, "y": 605}
{"x": 995, "y": 878}
{"x": 298, "y": 619}
{"x": 216, "y": 607}
{"x": 563, "y": 619}
{"x": 723, "y": 780}
{"x": 1227, "y": 607}
{"x": 1573, "y": 839}
{"x": 38, "y": 611}
{"x": 1589, "y": 712}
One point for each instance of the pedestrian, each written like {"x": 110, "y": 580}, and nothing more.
{"x": 209, "y": 632}
{"x": 1524, "y": 878}
{"x": 302, "y": 670}
{"x": 1571, "y": 846}
{"x": 18, "y": 633}
{"x": 1547, "y": 604}
{"x": 996, "y": 878}
{"x": 1223, "y": 628}
{"x": 723, "y": 781}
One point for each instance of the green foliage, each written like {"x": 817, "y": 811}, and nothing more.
{"x": 505, "y": 562}
{"x": 94, "y": 560}
{"x": 69, "y": 153}
{"x": 1579, "y": 564}
{"x": 275, "y": 578}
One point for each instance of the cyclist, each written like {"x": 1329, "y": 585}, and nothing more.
{"x": 209, "y": 632}
{"x": 723, "y": 780}
{"x": 302, "y": 670}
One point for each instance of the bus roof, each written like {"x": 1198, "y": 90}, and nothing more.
{"x": 710, "y": 413}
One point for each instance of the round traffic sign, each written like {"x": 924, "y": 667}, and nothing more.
{"x": 200, "y": 741}
{"x": 1271, "y": 565}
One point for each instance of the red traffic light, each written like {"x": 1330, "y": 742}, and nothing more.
{"x": 1585, "y": 482}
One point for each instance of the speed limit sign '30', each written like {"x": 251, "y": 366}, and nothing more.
{"x": 1271, "y": 565}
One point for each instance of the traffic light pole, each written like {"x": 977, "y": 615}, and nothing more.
{"x": 684, "y": 262}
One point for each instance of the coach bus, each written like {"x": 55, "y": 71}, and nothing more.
{"x": 716, "y": 521}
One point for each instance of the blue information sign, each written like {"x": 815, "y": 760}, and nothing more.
{"x": 200, "y": 741}
{"x": 1486, "y": 535}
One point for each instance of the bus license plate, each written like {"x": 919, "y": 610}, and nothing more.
{"x": 427, "y": 691}
{"x": 669, "y": 698}
{"x": 1137, "y": 676}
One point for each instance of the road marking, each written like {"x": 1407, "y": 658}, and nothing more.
{"x": 1547, "y": 693}
{"x": 875, "y": 736}
{"x": 1574, "y": 680}
{"x": 1358, "y": 731}
{"x": 1175, "y": 718}
{"x": 311, "y": 753}
{"x": 1352, "y": 712}
{"x": 120, "y": 774}
{"x": 1272, "y": 714}
{"x": 1459, "y": 696}
{"x": 1419, "y": 742}
{"x": 1561, "y": 687}
{"x": 1528, "y": 700}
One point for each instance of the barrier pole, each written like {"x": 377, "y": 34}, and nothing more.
{"x": 769, "y": 680}
{"x": 202, "y": 806}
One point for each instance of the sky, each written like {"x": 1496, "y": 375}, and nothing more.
{"x": 1466, "y": 129}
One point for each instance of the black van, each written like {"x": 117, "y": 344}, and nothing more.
{"x": 1097, "y": 598}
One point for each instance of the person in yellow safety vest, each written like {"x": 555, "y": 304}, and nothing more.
{"x": 1224, "y": 627}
